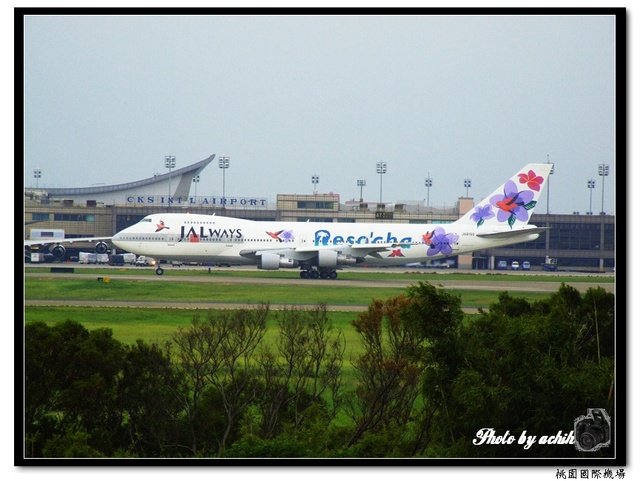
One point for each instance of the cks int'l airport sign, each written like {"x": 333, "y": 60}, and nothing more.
{"x": 248, "y": 202}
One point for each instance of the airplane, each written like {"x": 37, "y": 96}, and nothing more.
{"x": 319, "y": 249}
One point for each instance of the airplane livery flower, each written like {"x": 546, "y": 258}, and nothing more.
{"x": 441, "y": 242}
{"x": 513, "y": 205}
{"x": 286, "y": 236}
{"x": 282, "y": 235}
{"x": 482, "y": 213}
{"x": 532, "y": 180}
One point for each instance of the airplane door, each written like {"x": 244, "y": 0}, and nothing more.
{"x": 171, "y": 240}
{"x": 302, "y": 239}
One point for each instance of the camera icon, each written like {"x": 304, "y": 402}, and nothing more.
{"x": 592, "y": 431}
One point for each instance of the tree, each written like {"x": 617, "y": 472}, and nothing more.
{"x": 308, "y": 364}
{"x": 198, "y": 350}
{"x": 389, "y": 371}
{"x": 71, "y": 385}
{"x": 149, "y": 394}
{"x": 216, "y": 356}
{"x": 528, "y": 366}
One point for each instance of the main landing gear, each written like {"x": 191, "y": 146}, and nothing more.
{"x": 314, "y": 273}
{"x": 159, "y": 270}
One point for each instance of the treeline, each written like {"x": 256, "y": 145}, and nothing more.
{"x": 427, "y": 380}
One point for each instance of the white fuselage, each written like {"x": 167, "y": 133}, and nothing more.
{"x": 216, "y": 239}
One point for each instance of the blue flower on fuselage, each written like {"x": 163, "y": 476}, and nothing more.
{"x": 441, "y": 242}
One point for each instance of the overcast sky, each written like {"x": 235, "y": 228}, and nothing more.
{"x": 286, "y": 97}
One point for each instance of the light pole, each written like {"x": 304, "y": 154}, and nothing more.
{"x": 169, "y": 163}
{"x": 37, "y": 173}
{"x": 548, "y": 186}
{"x": 381, "y": 168}
{"x": 195, "y": 181}
{"x": 361, "y": 184}
{"x": 428, "y": 182}
{"x": 223, "y": 163}
{"x": 467, "y": 184}
{"x": 591, "y": 184}
{"x": 314, "y": 180}
{"x": 603, "y": 171}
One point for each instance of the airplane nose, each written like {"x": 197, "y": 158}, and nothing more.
{"x": 117, "y": 238}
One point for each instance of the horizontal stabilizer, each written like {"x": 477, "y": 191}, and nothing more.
{"x": 513, "y": 233}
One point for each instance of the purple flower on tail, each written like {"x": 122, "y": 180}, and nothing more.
{"x": 482, "y": 213}
{"x": 513, "y": 205}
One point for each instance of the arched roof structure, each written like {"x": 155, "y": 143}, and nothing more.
{"x": 174, "y": 184}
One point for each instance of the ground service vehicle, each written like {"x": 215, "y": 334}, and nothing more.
{"x": 143, "y": 261}
{"x": 550, "y": 264}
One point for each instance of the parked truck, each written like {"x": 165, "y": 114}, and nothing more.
{"x": 129, "y": 258}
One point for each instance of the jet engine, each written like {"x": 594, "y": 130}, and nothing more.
{"x": 58, "y": 252}
{"x": 327, "y": 258}
{"x": 102, "y": 248}
{"x": 273, "y": 262}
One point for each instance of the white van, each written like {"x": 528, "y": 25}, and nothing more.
{"x": 515, "y": 265}
{"x": 145, "y": 261}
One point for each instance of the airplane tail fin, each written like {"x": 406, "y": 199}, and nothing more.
{"x": 511, "y": 204}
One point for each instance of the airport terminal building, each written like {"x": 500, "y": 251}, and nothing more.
{"x": 578, "y": 242}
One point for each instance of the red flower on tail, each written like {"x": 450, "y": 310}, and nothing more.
{"x": 532, "y": 180}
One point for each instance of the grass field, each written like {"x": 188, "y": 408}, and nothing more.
{"x": 121, "y": 289}
{"x": 158, "y": 325}
{"x": 299, "y": 294}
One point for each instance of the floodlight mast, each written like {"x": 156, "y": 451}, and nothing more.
{"x": 381, "y": 168}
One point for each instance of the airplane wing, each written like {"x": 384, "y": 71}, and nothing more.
{"x": 513, "y": 233}
{"x": 355, "y": 250}
{"x": 305, "y": 253}
{"x": 251, "y": 253}
{"x": 42, "y": 242}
